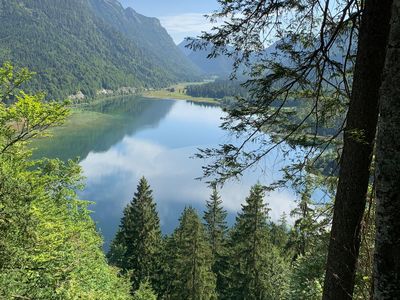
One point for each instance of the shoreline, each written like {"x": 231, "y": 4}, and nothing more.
{"x": 178, "y": 92}
{"x": 168, "y": 93}
{"x": 184, "y": 98}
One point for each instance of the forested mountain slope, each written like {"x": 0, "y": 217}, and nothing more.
{"x": 147, "y": 34}
{"x": 74, "y": 46}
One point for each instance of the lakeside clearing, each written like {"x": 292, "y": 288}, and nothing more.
{"x": 178, "y": 92}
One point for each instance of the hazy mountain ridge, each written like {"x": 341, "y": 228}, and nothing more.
{"x": 221, "y": 66}
{"x": 73, "y": 47}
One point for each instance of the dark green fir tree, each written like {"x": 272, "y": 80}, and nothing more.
{"x": 216, "y": 228}
{"x": 305, "y": 227}
{"x": 191, "y": 264}
{"x": 280, "y": 234}
{"x": 257, "y": 271}
{"x": 308, "y": 243}
{"x": 137, "y": 245}
{"x": 215, "y": 222}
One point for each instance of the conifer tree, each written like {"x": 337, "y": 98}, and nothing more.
{"x": 191, "y": 264}
{"x": 256, "y": 269}
{"x": 279, "y": 233}
{"x": 304, "y": 226}
{"x": 308, "y": 243}
{"x": 167, "y": 275}
{"x": 215, "y": 222}
{"x": 139, "y": 237}
{"x": 145, "y": 292}
{"x": 216, "y": 227}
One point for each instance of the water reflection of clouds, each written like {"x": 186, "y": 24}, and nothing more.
{"x": 171, "y": 174}
{"x": 130, "y": 155}
{"x": 201, "y": 114}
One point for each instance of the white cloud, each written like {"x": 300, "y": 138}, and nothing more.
{"x": 184, "y": 25}
{"x": 190, "y": 22}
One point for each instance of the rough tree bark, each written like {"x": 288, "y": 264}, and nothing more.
{"x": 387, "y": 243}
{"x": 357, "y": 151}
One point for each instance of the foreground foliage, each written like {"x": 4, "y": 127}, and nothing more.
{"x": 49, "y": 247}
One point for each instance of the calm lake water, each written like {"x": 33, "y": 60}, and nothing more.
{"x": 119, "y": 140}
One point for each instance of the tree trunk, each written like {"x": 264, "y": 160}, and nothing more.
{"x": 357, "y": 152}
{"x": 387, "y": 243}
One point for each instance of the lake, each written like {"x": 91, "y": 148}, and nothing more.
{"x": 122, "y": 139}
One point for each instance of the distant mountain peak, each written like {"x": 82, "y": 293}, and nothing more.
{"x": 130, "y": 12}
{"x": 111, "y": 4}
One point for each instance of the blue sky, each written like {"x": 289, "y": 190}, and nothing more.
{"x": 181, "y": 18}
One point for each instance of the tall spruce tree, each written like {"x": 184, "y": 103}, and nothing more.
{"x": 308, "y": 247}
{"x": 305, "y": 227}
{"x": 256, "y": 269}
{"x": 139, "y": 238}
{"x": 216, "y": 227}
{"x": 191, "y": 263}
{"x": 215, "y": 222}
{"x": 308, "y": 244}
{"x": 280, "y": 233}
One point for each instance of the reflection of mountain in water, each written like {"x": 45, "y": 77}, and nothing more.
{"x": 203, "y": 104}
{"x": 120, "y": 117}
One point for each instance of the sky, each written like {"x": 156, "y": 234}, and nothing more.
{"x": 181, "y": 18}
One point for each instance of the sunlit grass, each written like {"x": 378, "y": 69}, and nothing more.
{"x": 178, "y": 92}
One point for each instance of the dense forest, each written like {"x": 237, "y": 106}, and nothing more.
{"x": 218, "y": 89}
{"x": 49, "y": 246}
{"x": 77, "y": 45}
{"x": 205, "y": 259}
